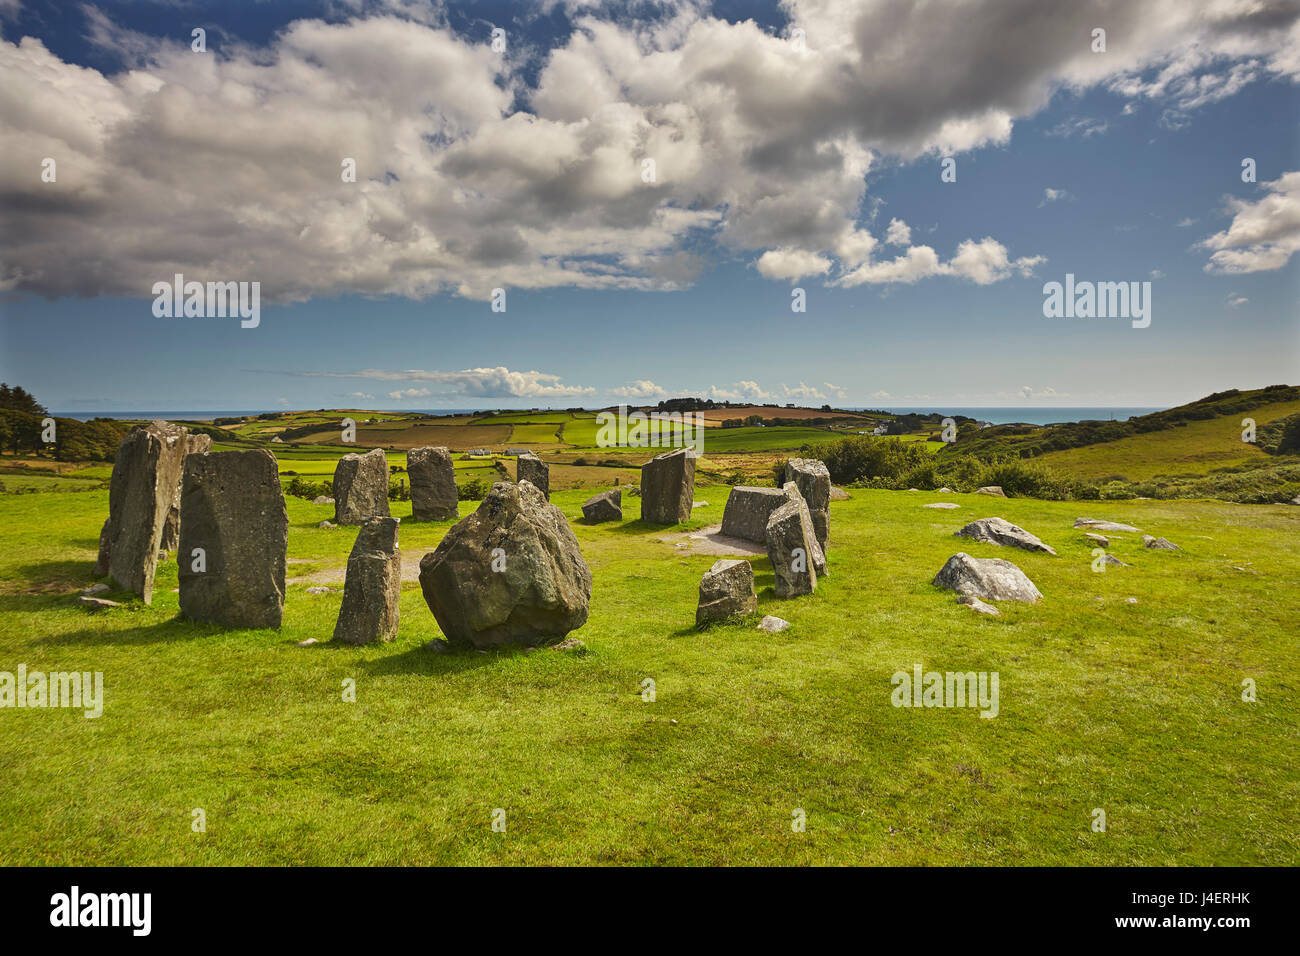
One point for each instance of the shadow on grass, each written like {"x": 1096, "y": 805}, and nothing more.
{"x": 48, "y": 576}
{"x": 424, "y": 660}
{"x": 170, "y": 631}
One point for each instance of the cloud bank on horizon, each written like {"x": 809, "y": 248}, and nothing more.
{"x": 525, "y": 168}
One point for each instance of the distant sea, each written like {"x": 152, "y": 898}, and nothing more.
{"x": 1045, "y": 415}
{"x": 1033, "y": 415}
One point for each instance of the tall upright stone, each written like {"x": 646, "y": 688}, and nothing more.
{"x": 145, "y": 474}
{"x": 373, "y": 587}
{"x": 171, "y": 536}
{"x": 814, "y": 482}
{"x": 528, "y": 467}
{"x": 791, "y": 544}
{"x": 361, "y": 487}
{"x": 232, "y": 510}
{"x": 433, "y": 484}
{"x": 105, "y": 548}
{"x": 668, "y": 487}
{"x": 791, "y": 491}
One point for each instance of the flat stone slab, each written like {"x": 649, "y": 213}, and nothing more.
{"x": 975, "y": 604}
{"x": 711, "y": 540}
{"x": 994, "y": 490}
{"x": 941, "y": 504}
{"x": 1159, "y": 544}
{"x": 1095, "y": 524}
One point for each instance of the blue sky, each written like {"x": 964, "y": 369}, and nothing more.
{"x": 505, "y": 171}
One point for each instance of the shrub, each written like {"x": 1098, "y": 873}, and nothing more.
{"x": 474, "y": 489}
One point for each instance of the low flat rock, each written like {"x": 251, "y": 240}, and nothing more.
{"x": 1114, "y": 562}
{"x": 1097, "y": 540}
{"x": 93, "y": 604}
{"x": 605, "y": 506}
{"x": 946, "y": 505}
{"x": 992, "y": 579}
{"x": 1098, "y": 525}
{"x": 995, "y": 490}
{"x": 975, "y": 604}
{"x": 322, "y": 500}
{"x": 838, "y": 494}
{"x": 1159, "y": 544}
{"x": 726, "y": 591}
{"x": 96, "y": 589}
{"x": 711, "y": 540}
{"x": 773, "y": 624}
{"x": 1003, "y": 532}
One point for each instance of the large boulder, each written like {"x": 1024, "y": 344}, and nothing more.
{"x": 605, "y": 506}
{"x": 529, "y": 467}
{"x": 171, "y": 536}
{"x": 668, "y": 487}
{"x": 511, "y": 573}
{"x": 814, "y": 482}
{"x": 232, "y": 507}
{"x": 373, "y": 587}
{"x": 1003, "y": 532}
{"x": 791, "y": 546}
{"x": 747, "y": 510}
{"x": 434, "y": 496}
{"x": 726, "y": 590}
{"x": 990, "y": 578}
{"x": 361, "y": 487}
{"x": 145, "y": 475}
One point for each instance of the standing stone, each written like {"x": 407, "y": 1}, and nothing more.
{"x": 509, "y": 574}
{"x": 791, "y": 545}
{"x": 668, "y": 487}
{"x": 361, "y": 487}
{"x": 232, "y": 507}
{"x": 433, "y": 484}
{"x": 373, "y": 587}
{"x": 791, "y": 492}
{"x": 814, "y": 482}
{"x": 747, "y": 510}
{"x": 171, "y": 537}
{"x": 726, "y": 590}
{"x": 605, "y": 506}
{"x": 145, "y": 474}
{"x": 105, "y": 547}
{"x": 528, "y": 467}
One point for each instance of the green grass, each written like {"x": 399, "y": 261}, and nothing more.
{"x": 1132, "y": 708}
{"x": 1192, "y": 449}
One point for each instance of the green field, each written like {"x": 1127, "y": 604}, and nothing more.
{"x": 1133, "y": 708}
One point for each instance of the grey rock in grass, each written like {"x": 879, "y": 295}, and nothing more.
{"x": 145, "y": 475}
{"x": 945, "y": 490}
{"x": 361, "y": 487}
{"x": 791, "y": 547}
{"x": 528, "y": 467}
{"x": 839, "y": 494}
{"x": 747, "y": 510}
{"x": 372, "y": 588}
{"x": 1159, "y": 544}
{"x": 992, "y": 579}
{"x": 813, "y": 480}
{"x": 434, "y": 496}
{"x": 995, "y": 490}
{"x": 325, "y": 525}
{"x": 944, "y": 505}
{"x": 605, "y": 506}
{"x": 975, "y": 604}
{"x": 1096, "y": 540}
{"x": 511, "y": 573}
{"x": 668, "y": 487}
{"x": 571, "y": 645}
{"x": 772, "y": 624}
{"x": 232, "y": 507}
{"x": 93, "y": 604}
{"x": 1003, "y": 532}
{"x": 1114, "y": 562}
{"x": 726, "y": 591}
{"x": 96, "y": 589}
{"x": 171, "y": 536}
{"x": 792, "y": 493}
{"x": 1099, "y": 525}
{"x": 322, "y": 500}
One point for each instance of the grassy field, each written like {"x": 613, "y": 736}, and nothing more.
{"x": 1133, "y": 708}
{"x": 1191, "y": 450}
